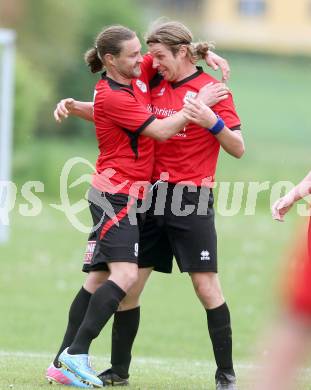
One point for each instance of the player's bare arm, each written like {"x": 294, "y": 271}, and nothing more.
{"x": 163, "y": 129}
{"x": 216, "y": 62}
{"x": 210, "y": 94}
{"x": 159, "y": 129}
{"x": 231, "y": 141}
{"x": 284, "y": 204}
{"x": 69, "y": 106}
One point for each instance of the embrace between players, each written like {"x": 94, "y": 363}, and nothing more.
{"x": 153, "y": 125}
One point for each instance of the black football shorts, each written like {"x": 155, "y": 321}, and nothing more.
{"x": 190, "y": 238}
{"x": 115, "y": 233}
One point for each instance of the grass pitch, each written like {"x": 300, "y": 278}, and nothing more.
{"x": 147, "y": 373}
{"x": 172, "y": 348}
{"x": 40, "y": 266}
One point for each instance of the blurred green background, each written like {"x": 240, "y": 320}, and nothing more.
{"x": 40, "y": 265}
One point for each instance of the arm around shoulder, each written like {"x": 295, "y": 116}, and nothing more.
{"x": 163, "y": 129}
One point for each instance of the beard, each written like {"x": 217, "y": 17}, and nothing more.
{"x": 136, "y": 71}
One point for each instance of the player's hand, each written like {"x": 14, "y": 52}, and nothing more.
{"x": 215, "y": 62}
{"x": 197, "y": 112}
{"x": 63, "y": 109}
{"x": 282, "y": 206}
{"x": 212, "y": 93}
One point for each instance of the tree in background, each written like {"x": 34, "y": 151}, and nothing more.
{"x": 52, "y": 37}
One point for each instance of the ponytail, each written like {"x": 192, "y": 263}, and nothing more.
{"x": 93, "y": 61}
{"x": 108, "y": 41}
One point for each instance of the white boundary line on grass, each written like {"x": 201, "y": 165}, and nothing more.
{"x": 167, "y": 363}
{"x": 139, "y": 360}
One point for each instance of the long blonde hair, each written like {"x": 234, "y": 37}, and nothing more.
{"x": 173, "y": 35}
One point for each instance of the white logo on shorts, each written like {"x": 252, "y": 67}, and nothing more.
{"x": 136, "y": 249}
{"x": 89, "y": 252}
{"x": 205, "y": 256}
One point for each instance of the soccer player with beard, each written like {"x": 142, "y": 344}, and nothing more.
{"x": 180, "y": 80}
{"x": 124, "y": 128}
{"x": 183, "y": 225}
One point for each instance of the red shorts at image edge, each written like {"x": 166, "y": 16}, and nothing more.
{"x": 300, "y": 301}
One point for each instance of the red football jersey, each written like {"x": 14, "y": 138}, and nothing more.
{"x": 192, "y": 154}
{"x": 121, "y": 113}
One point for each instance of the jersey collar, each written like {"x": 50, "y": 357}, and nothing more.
{"x": 193, "y": 76}
{"x": 113, "y": 84}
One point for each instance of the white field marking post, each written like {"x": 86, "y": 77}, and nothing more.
{"x": 7, "y": 71}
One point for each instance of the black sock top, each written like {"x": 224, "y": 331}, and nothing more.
{"x": 118, "y": 292}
